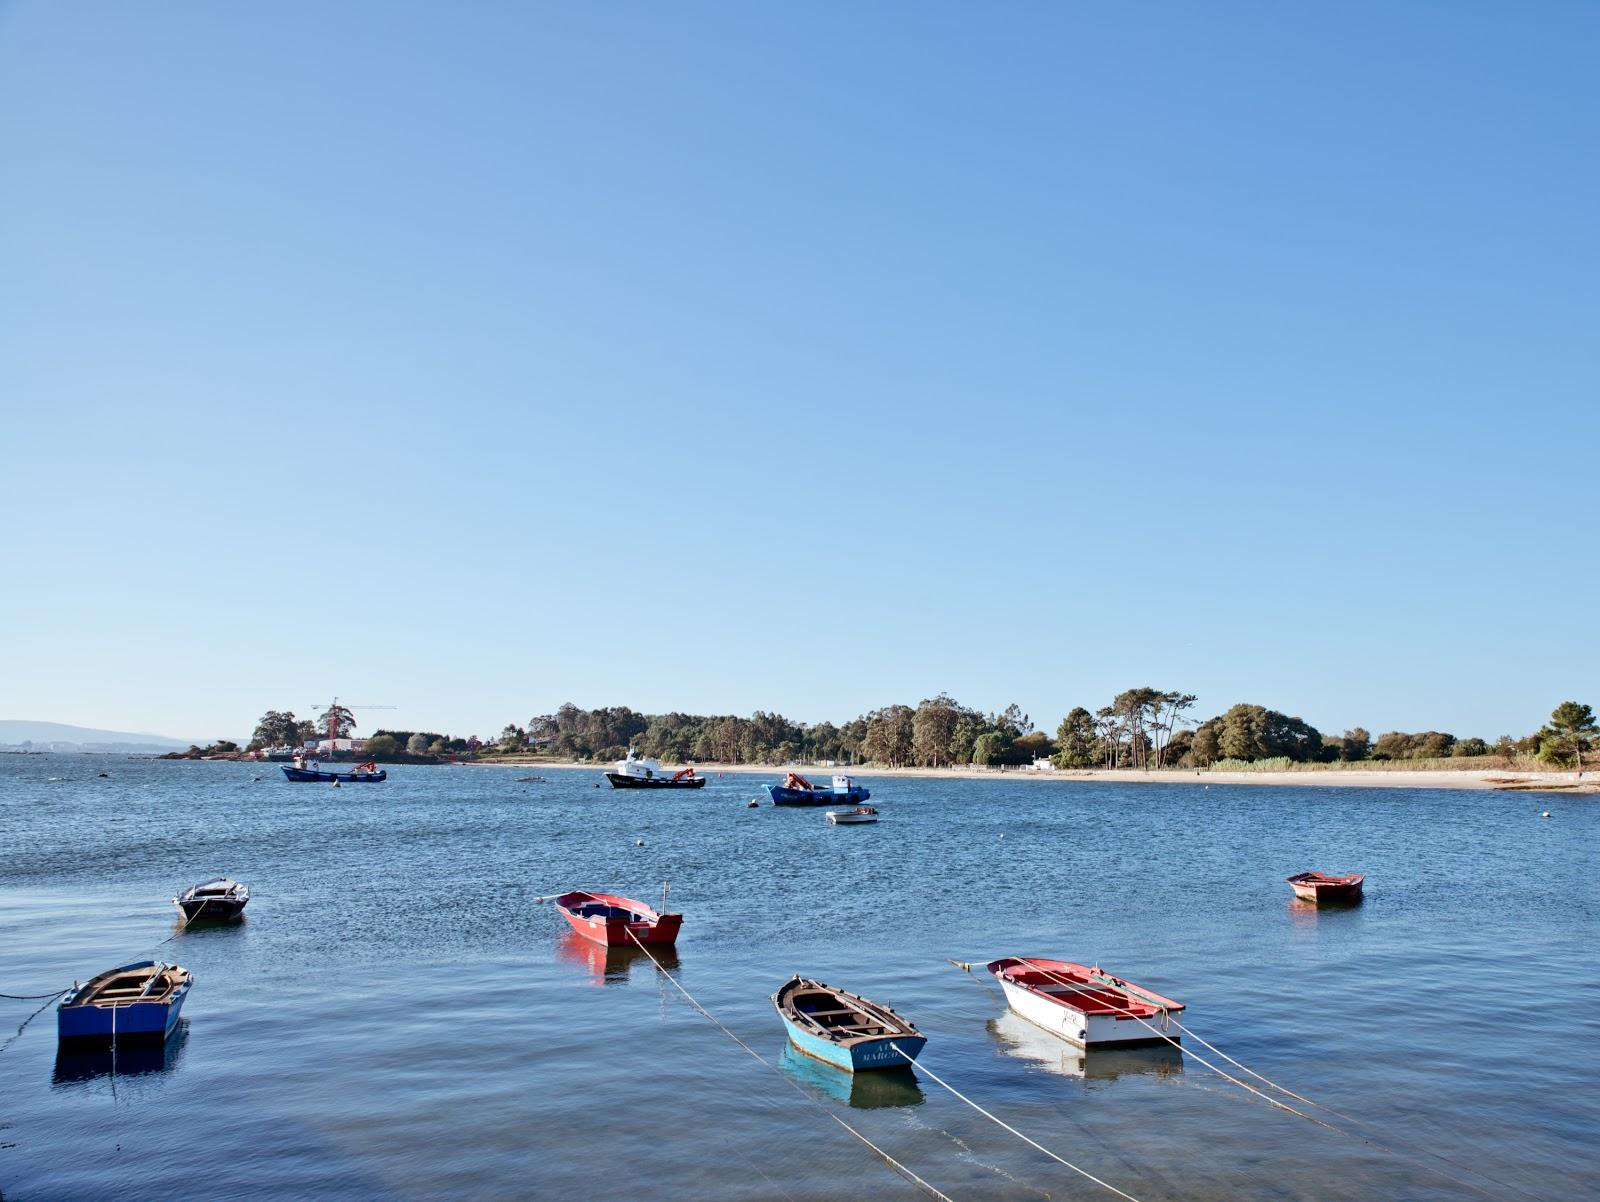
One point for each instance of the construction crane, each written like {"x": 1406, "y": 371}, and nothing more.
{"x": 330, "y": 716}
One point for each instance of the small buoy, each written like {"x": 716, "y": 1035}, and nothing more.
{"x": 752, "y": 804}
{"x": 105, "y": 774}
{"x": 335, "y": 784}
{"x": 1546, "y": 814}
{"x": 638, "y": 842}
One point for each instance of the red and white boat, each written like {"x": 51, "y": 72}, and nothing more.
{"x": 617, "y": 921}
{"x": 1322, "y": 889}
{"x": 1084, "y": 1005}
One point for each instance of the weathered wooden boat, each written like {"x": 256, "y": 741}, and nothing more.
{"x": 853, "y": 817}
{"x": 1084, "y": 1005}
{"x": 796, "y": 790}
{"x": 1324, "y": 889}
{"x": 362, "y": 774}
{"x": 135, "y": 1001}
{"x": 217, "y": 900}
{"x": 616, "y": 921}
{"x": 635, "y": 773}
{"x": 844, "y": 1029}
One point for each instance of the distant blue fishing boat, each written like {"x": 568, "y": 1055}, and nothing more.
{"x": 368, "y": 773}
{"x": 796, "y": 790}
{"x": 136, "y": 1001}
{"x": 845, "y": 1030}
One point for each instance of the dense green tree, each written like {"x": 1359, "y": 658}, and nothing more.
{"x": 277, "y": 728}
{"x": 1570, "y": 732}
{"x": 1253, "y": 732}
{"x": 1077, "y": 741}
{"x": 380, "y": 747}
{"x": 888, "y": 737}
{"x": 1355, "y": 745}
{"x": 336, "y": 722}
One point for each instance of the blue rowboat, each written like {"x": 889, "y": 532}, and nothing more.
{"x": 136, "y": 1001}
{"x": 796, "y": 790}
{"x": 845, "y": 1030}
{"x": 349, "y": 778}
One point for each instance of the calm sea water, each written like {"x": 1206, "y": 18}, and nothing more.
{"x": 397, "y": 1018}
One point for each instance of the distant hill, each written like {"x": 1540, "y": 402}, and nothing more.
{"x": 58, "y": 736}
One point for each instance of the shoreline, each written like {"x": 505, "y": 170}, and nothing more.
{"x": 1474, "y": 779}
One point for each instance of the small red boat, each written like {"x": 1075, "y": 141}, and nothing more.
{"x": 617, "y": 921}
{"x": 1322, "y": 889}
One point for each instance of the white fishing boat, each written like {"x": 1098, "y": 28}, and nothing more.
{"x": 853, "y": 817}
{"x": 1084, "y": 1005}
{"x": 633, "y": 772}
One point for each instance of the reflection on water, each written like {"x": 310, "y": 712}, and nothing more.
{"x": 865, "y": 1091}
{"x": 1022, "y": 1039}
{"x": 610, "y": 965}
{"x": 89, "y": 1061}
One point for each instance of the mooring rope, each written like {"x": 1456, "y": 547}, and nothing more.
{"x": 1111, "y": 983}
{"x": 1026, "y": 1139}
{"x": 13, "y": 1039}
{"x": 31, "y": 997}
{"x": 932, "y": 1190}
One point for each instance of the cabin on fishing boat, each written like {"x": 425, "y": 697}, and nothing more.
{"x": 1325, "y": 889}
{"x": 844, "y": 1029}
{"x": 617, "y": 921}
{"x": 1084, "y": 1005}
{"x": 135, "y": 1001}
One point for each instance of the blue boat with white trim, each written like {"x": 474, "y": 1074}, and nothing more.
{"x": 844, "y": 1029}
{"x": 796, "y": 790}
{"x": 135, "y": 1001}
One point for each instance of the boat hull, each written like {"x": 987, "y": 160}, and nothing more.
{"x": 307, "y": 776}
{"x": 212, "y": 909}
{"x": 850, "y": 818}
{"x": 621, "y": 780}
{"x": 863, "y": 1056}
{"x": 782, "y": 796}
{"x": 1322, "y": 890}
{"x": 654, "y": 930}
{"x": 153, "y": 1020}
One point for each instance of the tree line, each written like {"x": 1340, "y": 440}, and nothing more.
{"x": 1143, "y": 727}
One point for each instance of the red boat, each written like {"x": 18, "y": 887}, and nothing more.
{"x": 617, "y": 921}
{"x": 1324, "y": 890}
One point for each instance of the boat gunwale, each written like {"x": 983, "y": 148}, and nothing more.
{"x": 783, "y": 1002}
{"x": 1139, "y": 1000}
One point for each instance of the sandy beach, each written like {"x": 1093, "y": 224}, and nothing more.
{"x": 1499, "y": 779}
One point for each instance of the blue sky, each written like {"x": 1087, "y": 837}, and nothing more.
{"x": 474, "y": 358}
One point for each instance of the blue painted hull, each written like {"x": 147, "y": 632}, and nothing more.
{"x": 349, "y": 778}
{"x": 862, "y": 1056}
{"x": 141, "y": 1020}
{"x": 854, "y": 795}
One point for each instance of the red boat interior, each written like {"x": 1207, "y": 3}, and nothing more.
{"x": 600, "y": 909}
{"x": 1077, "y": 989}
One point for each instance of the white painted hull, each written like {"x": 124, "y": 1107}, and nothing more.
{"x": 1086, "y": 1030}
{"x": 851, "y": 819}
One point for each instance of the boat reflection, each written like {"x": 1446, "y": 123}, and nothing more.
{"x": 875, "y": 1090}
{"x": 610, "y": 965}
{"x": 88, "y": 1061}
{"x": 1020, "y": 1038}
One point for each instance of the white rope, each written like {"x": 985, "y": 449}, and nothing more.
{"x": 931, "y": 1190}
{"x": 1025, "y": 1139}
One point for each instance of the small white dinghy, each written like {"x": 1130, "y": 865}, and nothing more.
{"x": 852, "y": 817}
